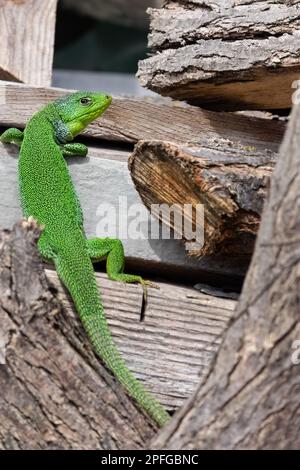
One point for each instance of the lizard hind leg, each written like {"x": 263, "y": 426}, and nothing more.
{"x": 12, "y": 136}
{"x": 112, "y": 249}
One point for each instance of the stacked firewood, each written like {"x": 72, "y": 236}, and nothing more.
{"x": 221, "y": 55}
{"x": 234, "y": 362}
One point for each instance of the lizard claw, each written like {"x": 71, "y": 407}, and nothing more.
{"x": 151, "y": 284}
{"x": 145, "y": 285}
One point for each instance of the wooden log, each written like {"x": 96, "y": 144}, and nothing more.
{"x": 115, "y": 11}
{"x": 176, "y": 25}
{"x": 27, "y": 30}
{"x": 231, "y": 183}
{"x": 129, "y": 120}
{"x": 224, "y": 55}
{"x": 55, "y": 393}
{"x": 250, "y": 399}
{"x": 107, "y": 194}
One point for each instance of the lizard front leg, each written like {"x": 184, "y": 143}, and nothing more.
{"x": 12, "y": 136}
{"x": 74, "y": 149}
{"x": 45, "y": 248}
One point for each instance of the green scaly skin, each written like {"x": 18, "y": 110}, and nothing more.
{"x": 47, "y": 195}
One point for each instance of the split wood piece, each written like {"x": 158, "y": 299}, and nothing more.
{"x": 250, "y": 399}
{"x": 224, "y": 55}
{"x": 231, "y": 182}
{"x": 129, "y": 120}
{"x": 27, "y": 30}
{"x": 107, "y": 195}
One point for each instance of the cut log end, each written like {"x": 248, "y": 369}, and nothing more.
{"x": 230, "y": 183}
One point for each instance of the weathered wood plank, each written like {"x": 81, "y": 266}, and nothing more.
{"x": 231, "y": 183}
{"x": 106, "y": 191}
{"x": 175, "y": 343}
{"x": 225, "y": 55}
{"x": 130, "y": 120}
{"x": 27, "y": 40}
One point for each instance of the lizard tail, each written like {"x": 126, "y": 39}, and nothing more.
{"x": 77, "y": 273}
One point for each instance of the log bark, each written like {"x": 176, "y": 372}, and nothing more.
{"x": 224, "y": 54}
{"x": 231, "y": 182}
{"x": 55, "y": 393}
{"x": 251, "y": 396}
{"x": 129, "y": 120}
{"x": 125, "y": 12}
{"x": 27, "y": 31}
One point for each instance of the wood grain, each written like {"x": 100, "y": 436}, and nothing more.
{"x": 129, "y": 120}
{"x": 173, "y": 347}
{"x": 230, "y": 182}
{"x": 27, "y": 30}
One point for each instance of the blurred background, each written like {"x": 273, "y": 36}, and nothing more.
{"x": 98, "y": 44}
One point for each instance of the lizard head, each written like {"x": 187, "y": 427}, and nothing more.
{"x": 80, "y": 109}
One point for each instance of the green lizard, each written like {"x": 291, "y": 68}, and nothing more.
{"x": 47, "y": 194}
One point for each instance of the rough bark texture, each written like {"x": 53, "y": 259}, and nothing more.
{"x": 230, "y": 181}
{"x": 129, "y": 120}
{"x": 27, "y": 30}
{"x": 251, "y": 397}
{"x": 177, "y": 26}
{"x": 224, "y": 54}
{"x": 125, "y": 12}
{"x": 55, "y": 394}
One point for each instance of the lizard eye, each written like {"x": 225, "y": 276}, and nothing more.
{"x": 86, "y": 101}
